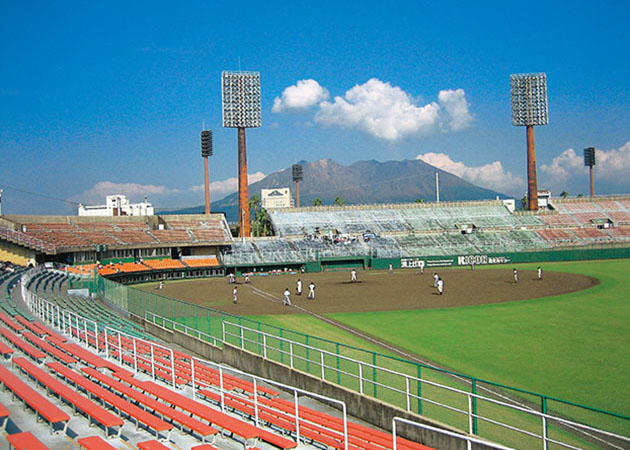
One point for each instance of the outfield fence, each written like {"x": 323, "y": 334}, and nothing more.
{"x": 505, "y": 414}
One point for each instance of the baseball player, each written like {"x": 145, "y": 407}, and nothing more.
{"x": 234, "y": 295}
{"x": 287, "y": 297}
{"x": 539, "y": 270}
{"x": 311, "y": 290}
{"x": 298, "y": 287}
{"x": 353, "y": 276}
{"x": 515, "y": 276}
{"x": 440, "y": 286}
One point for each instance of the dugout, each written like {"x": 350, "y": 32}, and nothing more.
{"x": 340, "y": 262}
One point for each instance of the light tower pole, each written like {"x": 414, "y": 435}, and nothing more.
{"x": 298, "y": 175}
{"x": 240, "y": 93}
{"x": 206, "y": 151}
{"x": 529, "y": 108}
{"x": 589, "y": 161}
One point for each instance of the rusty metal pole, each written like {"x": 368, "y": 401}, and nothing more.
{"x": 243, "y": 196}
{"x": 532, "y": 184}
{"x": 592, "y": 182}
{"x": 297, "y": 193}
{"x": 206, "y": 181}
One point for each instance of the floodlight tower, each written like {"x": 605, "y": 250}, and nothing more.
{"x": 206, "y": 151}
{"x": 241, "y": 109}
{"x": 298, "y": 175}
{"x": 529, "y": 108}
{"x": 589, "y": 161}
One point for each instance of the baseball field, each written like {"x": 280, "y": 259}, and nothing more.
{"x": 566, "y": 336}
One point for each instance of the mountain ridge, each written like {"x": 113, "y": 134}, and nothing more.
{"x": 362, "y": 182}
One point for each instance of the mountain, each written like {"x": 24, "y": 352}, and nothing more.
{"x": 362, "y": 182}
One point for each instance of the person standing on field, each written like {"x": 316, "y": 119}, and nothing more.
{"x": 436, "y": 277}
{"x": 515, "y": 276}
{"x": 287, "y": 297}
{"x": 353, "y": 276}
{"x": 311, "y": 290}
{"x": 234, "y": 295}
{"x": 440, "y": 286}
{"x": 298, "y": 287}
{"x": 539, "y": 271}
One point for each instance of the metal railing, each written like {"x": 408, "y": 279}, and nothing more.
{"x": 24, "y": 239}
{"x": 469, "y": 439}
{"x": 132, "y": 351}
{"x": 295, "y": 354}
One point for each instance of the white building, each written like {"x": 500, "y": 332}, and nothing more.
{"x": 118, "y": 205}
{"x": 276, "y": 198}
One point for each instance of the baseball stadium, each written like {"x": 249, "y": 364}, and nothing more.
{"x": 131, "y": 324}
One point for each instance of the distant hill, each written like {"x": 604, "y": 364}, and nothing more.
{"x": 362, "y": 182}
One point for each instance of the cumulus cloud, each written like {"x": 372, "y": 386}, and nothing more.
{"x": 302, "y": 95}
{"x": 609, "y": 164}
{"x": 135, "y": 192}
{"x": 456, "y": 106}
{"x": 220, "y": 189}
{"x": 387, "y": 112}
{"x": 492, "y": 176}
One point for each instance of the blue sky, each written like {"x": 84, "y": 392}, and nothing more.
{"x": 109, "y": 97}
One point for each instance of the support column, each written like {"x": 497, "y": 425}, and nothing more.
{"x": 532, "y": 184}
{"x": 243, "y": 196}
{"x": 206, "y": 181}
{"x": 592, "y": 181}
{"x": 297, "y": 193}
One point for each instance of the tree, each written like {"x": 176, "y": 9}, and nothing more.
{"x": 564, "y": 194}
{"x": 262, "y": 224}
{"x": 339, "y": 201}
{"x": 524, "y": 202}
{"x": 317, "y": 201}
{"x": 580, "y": 195}
{"x": 419, "y": 200}
{"x": 254, "y": 204}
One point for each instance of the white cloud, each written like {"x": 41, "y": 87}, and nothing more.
{"x": 220, "y": 189}
{"x": 387, "y": 112}
{"x": 456, "y": 106}
{"x": 492, "y": 176}
{"x": 304, "y": 94}
{"x": 567, "y": 170}
{"x": 135, "y": 192}
{"x": 609, "y": 164}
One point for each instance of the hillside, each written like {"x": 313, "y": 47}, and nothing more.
{"x": 361, "y": 182}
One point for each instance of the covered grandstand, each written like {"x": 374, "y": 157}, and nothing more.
{"x": 149, "y": 248}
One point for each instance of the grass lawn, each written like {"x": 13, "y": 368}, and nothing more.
{"x": 573, "y": 346}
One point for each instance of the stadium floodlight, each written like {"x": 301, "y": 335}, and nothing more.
{"x": 298, "y": 175}
{"x": 529, "y": 99}
{"x": 206, "y": 143}
{"x": 529, "y": 108}
{"x": 241, "y": 99}
{"x": 240, "y": 94}
{"x": 206, "y": 151}
{"x": 589, "y": 161}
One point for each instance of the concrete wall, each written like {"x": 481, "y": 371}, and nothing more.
{"x": 368, "y": 409}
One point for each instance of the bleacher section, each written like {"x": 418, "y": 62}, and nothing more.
{"x": 390, "y": 219}
{"x": 85, "y": 233}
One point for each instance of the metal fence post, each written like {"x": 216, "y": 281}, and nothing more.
{"x": 419, "y": 391}
{"x": 474, "y": 405}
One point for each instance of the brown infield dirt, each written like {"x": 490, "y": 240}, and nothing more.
{"x": 376, "y": 290}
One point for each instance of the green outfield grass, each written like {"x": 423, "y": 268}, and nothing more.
{"x": 573, "y": 347}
